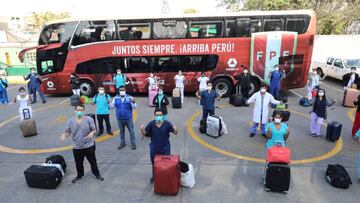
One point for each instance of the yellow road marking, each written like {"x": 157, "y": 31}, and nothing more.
{"x": 60, "y": 119}
{"x": 351, "y": 114}
{"x": 55, "y": 149}
{"x": 338, "y": 146}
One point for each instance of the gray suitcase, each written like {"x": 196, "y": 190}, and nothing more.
{"x": 213, "y": 126}
{"x": 28, "y": 125}
{"x": 75, "y": 100}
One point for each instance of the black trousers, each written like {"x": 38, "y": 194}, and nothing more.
{"x": 245, "y": 93}
{"x": 101, "y": 118}
{"x": 89, "y": 153}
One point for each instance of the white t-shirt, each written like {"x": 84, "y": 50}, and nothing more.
{"x": 23, "y": 102}
{"x": 203, "y": 82}
{"x": 152, "y": 81}
{"x": 179, "y": 80}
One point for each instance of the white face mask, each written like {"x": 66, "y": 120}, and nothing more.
{"x": 151, "y": 75}
{"x": 22, "y": 93}
{"x": 101, "y": 91}
{"x": 321, "y": 94}
{"x": 33, "y": 72}
{"x": 277, "y": 120}
{"x": 353, "y": 71}
{"x": 119, "y": 72}
{"x": 246, "y": 72}
{"x": 161, "y": 92}
{"x": 122, "y": 93}
{"x": 263, "y": 90}
{"x": 180, "y": 73}
{"x": 314, "y": 72}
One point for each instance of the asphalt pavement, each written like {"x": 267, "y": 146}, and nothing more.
{"x": 227, "y": 169}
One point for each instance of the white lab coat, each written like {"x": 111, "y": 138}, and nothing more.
{"x": 268, "y": 98}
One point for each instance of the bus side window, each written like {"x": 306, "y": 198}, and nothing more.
{"x": 170, "y": 29}
{"x": 273, "y": 24}
{"x": 134, "y": 31}
{"x": 94, "y": 31}
{"x": 296, "y": 25}
{"x": 206, "y": 29}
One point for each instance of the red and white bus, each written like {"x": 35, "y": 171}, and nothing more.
{"x": 219, "y": 45}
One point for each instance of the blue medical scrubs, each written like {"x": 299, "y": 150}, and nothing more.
{"x": 275, "y": 83}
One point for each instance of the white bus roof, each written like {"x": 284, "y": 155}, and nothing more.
{"x": 191, "y": 15}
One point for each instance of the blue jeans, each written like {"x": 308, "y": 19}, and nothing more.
{"x": 3, "y": 97}
{"x": 255, "y": 125}
{"x": 33, "y": 91}
{"x": 206, "y": 113}
{"x": 130, "y": 126}
{"x": 275, "y": 90}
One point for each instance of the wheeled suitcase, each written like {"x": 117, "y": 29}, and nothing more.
{"x": 176, "y": 102}
{"x": 57, "y": 159}
{"x": 237, "y": 100}
{"x": 75, "y": 100}
{"x": 167, "y": 174}
{"x": 202, "y": 127}
{"x": 213, "y": 126}
{"x": 350, "y": 95}
{"x": 28, "y": 125}
{"x": 333, "y": 131}
{"x": 46, "y": 177}
{"x": 277, "y": 177}
{"x": 152, "y": 94}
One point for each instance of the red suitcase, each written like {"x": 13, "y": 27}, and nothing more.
{"x": 167, "y": 174}
{"x": 278, "y": 154}
{"x": 350, "y": 95}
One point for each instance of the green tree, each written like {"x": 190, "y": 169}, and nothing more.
{"x": 39, "y": 19}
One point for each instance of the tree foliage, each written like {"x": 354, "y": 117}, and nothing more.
{"x": 39, "y": 19}
{"x": 334, "y": 16}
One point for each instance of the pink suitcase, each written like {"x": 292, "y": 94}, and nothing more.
{"x": 152, "y": 94}
{"x": 350, "y": 95}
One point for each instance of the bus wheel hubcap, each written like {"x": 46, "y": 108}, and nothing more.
{"x": 221, "y": 88}
{"x": 85, "y": 88}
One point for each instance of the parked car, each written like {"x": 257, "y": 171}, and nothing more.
{"x": 336, "y": 67}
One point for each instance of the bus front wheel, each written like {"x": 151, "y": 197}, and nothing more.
{"x": 223, "y": 86}
{"x": 87, "y": 88}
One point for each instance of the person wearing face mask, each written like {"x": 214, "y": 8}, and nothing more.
{"x": 34, "y": 85}
{"x": 277, "y": 131}
{"x": 153, "y": 83}
{"x": 351, "y": 78}
{"x": 159, "y": 131}
{"x": 160, "y": 102}
{"x": 3, "y": 85}
{"x": 82, "y": 129}
{"x": 179, "y": 83}
{"x": 124, "y": 104}
{"x": 102, "y": 101}
{"x": 75, "y": 84}
{"x": 275, "y": 77}
{"x": 207, "y": 99}
{"x": 318, "y": 113}
{"x": 262, "y": 100}
{"x": 203, "y": 82}
{"x": 244, "y": 80}
{"x": 119, "y": 79}
{"x": 313, "y": 83}
{"x": 24, "y": 101}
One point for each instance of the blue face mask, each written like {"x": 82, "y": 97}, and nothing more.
{"x": 159, "y": 118}
{"x": 79, "y": 113}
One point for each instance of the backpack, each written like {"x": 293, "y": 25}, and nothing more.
{"x": 106, "y": 96}
{"x": 337, "y": 176}
{"x": 305, "y": 102}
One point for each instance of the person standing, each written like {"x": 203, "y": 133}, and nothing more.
{"x": 277, "y": 131}
{"x": 125, "y": 104}
{"x": 82, "y": 129}
{"x": 153, "y": 83}
{"x": 34, "y": 85}
{"x": 318, "y": 113}
{"x": 207, "y": 98}
{"x": 24, "y": 101}
{"x": 160, "y": 102}
{"x": 262, "y": 100}
{"x": 3, "y": 86}
{"x": 351, "y": 78}
{"x": 312, "y": 83}
{"x": 244, "y": 80}
{"x": 203, "y": 80}
{"x": 179, "y": 83}
{"x": 75, "y": 84}
{"x": 119, "y": 79}
{"x": 102, "y": 101}
{"x": 275, "y": 77}
{"x": 356, "y": 125}
{"x": 159, "y": 131}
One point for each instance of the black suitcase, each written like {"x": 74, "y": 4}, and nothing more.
{"x": 333, "y": 131}
{"x": 75, "y": 100}
{"x": 46, "y": 177}
{"x": 277, "y": 177}
{"x": 57, "y": 159}
{"x": 176, "y": 102}
{"x": 202, "y": 127}
{"x": 237, "y": 100}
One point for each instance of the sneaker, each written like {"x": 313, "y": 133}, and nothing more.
{"x": 44, "y": 101}
{"x": 152, "y": 180}
{"x": 252, "y": 134}
{"x": 318, "y": 135}
{"x": 77, "y": 178}
{"x": 133, "y": 147}
{"x": 110, "y": 133}
{"x": 314, "y": 135}
{"x": 98, "y": 134}
{"x": 121, "y": 146}
{"x": 99, "y": 177}
{"x": 264, "y": 135}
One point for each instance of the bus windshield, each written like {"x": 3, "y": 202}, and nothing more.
{"x": 57, "y": 33}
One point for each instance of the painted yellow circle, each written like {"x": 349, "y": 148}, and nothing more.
{"x": 49, "y": 150}
{"x": 338, "y": 146}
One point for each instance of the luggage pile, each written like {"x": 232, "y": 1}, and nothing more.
{"x": 47, "y": 175}
{"x": 176, "y": 98}
{"x": 170, "y": 174}
{"x": 277, "y": 170}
